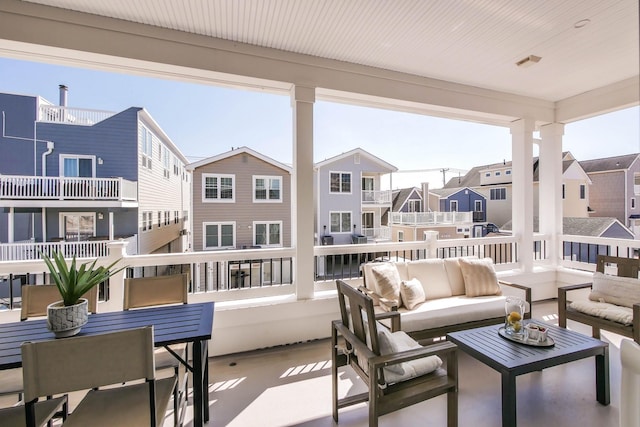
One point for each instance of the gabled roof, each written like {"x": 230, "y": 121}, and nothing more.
{"x": 360, "y": 151}
{"x": 592, "y": 227}
{"x": 234, "y": 152}
{"x": 401, "y": 196}
{"x": 609, "y": 163}
{"x": 447, "y": 192}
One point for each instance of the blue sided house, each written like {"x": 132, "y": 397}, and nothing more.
{"x": 74, "y": 179}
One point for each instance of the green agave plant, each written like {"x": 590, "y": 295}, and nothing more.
{"x": 73, "y": 282}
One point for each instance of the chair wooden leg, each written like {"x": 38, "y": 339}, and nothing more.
{"x": 373, "y": 408}
{"x": 452, "y": 409}
{"x": 334, "y": 372}
{"x": 596, "y": 332}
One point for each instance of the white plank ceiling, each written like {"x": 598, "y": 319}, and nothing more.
{"x": 473, "y": 42}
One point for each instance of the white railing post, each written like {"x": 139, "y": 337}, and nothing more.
{"x": 117, "y": 251}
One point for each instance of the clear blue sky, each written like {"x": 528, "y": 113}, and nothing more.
{"x": 204, "y": 121}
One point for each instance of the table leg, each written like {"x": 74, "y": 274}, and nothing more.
{"x": 200, "y": 383}
{"x": 508, "y": 400}
{"x": 602, "y": 377}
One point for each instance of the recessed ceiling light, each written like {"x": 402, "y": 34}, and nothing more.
{"x": 582, "y": 23}
{"x": 528, "y": 61}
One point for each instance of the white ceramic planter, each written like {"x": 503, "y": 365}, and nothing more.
{"x": 67, "y": 321}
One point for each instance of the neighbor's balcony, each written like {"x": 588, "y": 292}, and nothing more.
{"x": 430, "y": 218}
{"x": 94, "y": 247}
{"x": 376, "y": 197}
{"x": 377, "y": 234}
{"x": 22, "y": 187}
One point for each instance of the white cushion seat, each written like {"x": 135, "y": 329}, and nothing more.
{"x": 450, "y": 311}
{"x": 605, "y": 310}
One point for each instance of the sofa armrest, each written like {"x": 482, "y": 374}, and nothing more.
{"x": 527, "y": 294}
{"x": 562, "y": 301}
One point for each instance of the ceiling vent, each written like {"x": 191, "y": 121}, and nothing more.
{"x": 528, "y": 61}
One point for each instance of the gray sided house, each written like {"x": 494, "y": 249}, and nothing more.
{"x": 73, "y": 175}
{"x": 615, "y": 189}
{"x": 241, "y": 200}
{"x": 349, "y": 198}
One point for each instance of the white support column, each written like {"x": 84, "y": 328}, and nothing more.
{"x": 302, "y": 99}
{"x": 522, "y": 189}
{"x": 44, "y": 224}
{"x": 10, "y": 225}
{"x": 550, "y": 188}
{"x": 110, "y": 225}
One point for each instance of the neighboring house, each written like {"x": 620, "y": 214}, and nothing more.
{"x": 80, "y": 178}
{"x": 349, "y": 200}
{"x": 494, "y": 182}
{"x": 590, "y": 227}
{"x": 450, "y": 212}
{"x": 242, "y": 200}
{"x": 615, "y": 189}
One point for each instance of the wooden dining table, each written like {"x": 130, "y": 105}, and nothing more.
{"x": 186, "y": 323}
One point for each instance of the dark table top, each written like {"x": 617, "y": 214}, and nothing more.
{"x": 171, "y": 324}
{"x": 486, "y": 345}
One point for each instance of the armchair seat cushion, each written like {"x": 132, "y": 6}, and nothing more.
{"x": 397, "y": 342}
{"x": 449, "y": 311}
{"x": 605, "y": 310}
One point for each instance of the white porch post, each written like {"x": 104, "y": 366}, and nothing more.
{"x": 10, "y": 225}
{"x": 302, "y": 99}
{"x": 44, "y": 224}
{"x": 110, "y": 225}
{"x": 522, "y": 189}
{"x": 551, "y": 188}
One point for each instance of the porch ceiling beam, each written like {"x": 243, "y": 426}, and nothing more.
{"x": 31, "y": 31}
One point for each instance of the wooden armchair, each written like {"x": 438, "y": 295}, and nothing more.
{"x": 394, "y": 378}
{"x": 627, "y": 267}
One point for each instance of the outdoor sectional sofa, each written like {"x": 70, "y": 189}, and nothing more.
{"x": 437, "y": 296}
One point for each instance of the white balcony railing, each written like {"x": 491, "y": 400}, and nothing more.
{"x": 74, "y": 116}
{"x": 31, "y": 250}
{"x": 376, "y": 197}
{"x": 378, "y": 233}
{"x": 66, "y": 188}
{"x": 430, "y": 218}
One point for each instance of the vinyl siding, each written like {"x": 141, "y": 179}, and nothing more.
{"x": 244, "y": 212}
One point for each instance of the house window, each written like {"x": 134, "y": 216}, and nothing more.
{"x": 218, "y": 188}
{"x": 340, "y": 182}
{"x": 583, "y": 191}
{"x": 400, "y": 236}
{"x": 167, "y": 217}
{"x": 166, "y": 162}
{"x": 267, "y": 189}
{"x": 498, "y": 173}
{"x": 176, "y": 217}
{"x": 146, "y": 146}
{"x": 219, "y": 235}
{"x": 267, "y": 233}
{"x": 414, "y": 206}
{"x": 77, "y": 166}
{"x": 488, "y": 174}
{"x": 478, "y": 206}
{"x": 340, "y": 222}
{"x": 159, "y": 218}
{"x": 147, "y": 220}
{"x": 507, "y": 172}
{"x": 633, "y": 203}
{"x": 498, "y": 194}
{"x": 563, "y": 191}
{"x": 453, "y": 206}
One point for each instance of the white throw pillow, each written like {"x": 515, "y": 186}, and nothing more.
{"x": 397, "y": 342}
{"x": 412, "y": 293}
{"x": 387, "y": 281}
{"x": 624, "y": 291}
{"x": 479, "y": 277}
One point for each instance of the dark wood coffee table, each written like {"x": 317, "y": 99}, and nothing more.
{"x": 512, "y": 359}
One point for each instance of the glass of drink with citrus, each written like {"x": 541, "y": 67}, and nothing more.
{"x": 514, "y": 310}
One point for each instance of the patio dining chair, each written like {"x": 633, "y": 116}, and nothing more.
{"x": 115, "y": 361}
{"x": 35, "y": 299}
{"x": 397, "y": 371}
{"x": 152, "y": 291}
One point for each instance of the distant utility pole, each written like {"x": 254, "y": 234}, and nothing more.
{"x": 444, "y": 179}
